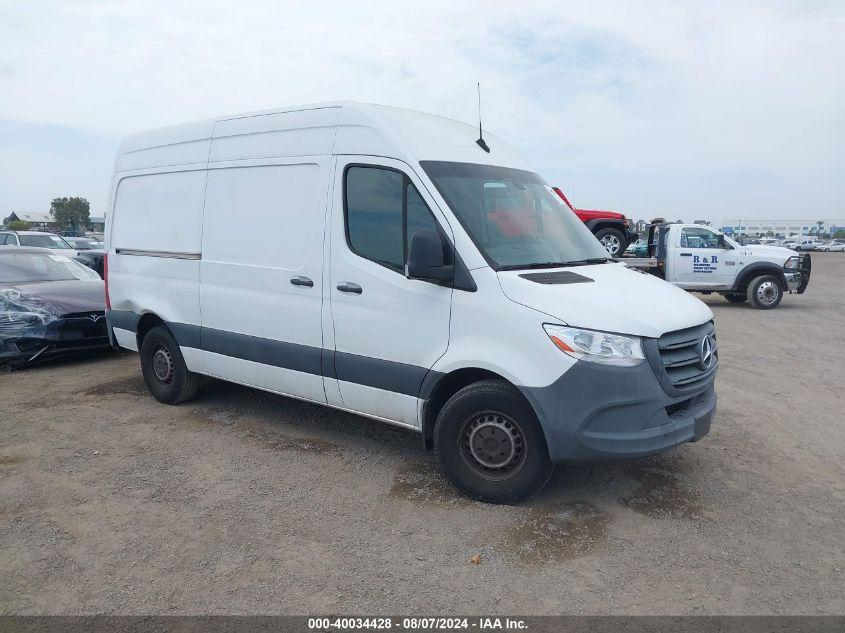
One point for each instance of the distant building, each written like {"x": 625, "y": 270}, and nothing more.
{"x": 37, "y": 219}
{"x": 641, "y": 227}
{"x": 97, "y": 223}
{"x": 781, "y": 228}
{"x": 44, "y": 221}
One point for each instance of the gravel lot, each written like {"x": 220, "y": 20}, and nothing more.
{"x": 244, "y": 502}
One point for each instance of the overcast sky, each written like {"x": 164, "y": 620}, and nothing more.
{"x": 685, "y": 110}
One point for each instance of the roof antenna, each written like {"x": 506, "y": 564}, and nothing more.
{"x": 481, "y": 142}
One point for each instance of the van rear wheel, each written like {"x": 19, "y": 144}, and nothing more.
{"x": 491, "y": 445}
{"x": 164, "y": 369}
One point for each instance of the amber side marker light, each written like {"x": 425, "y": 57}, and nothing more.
{"x": 560, "y": 344}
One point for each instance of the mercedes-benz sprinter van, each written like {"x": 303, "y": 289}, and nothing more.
{"x": 382, "y": 261}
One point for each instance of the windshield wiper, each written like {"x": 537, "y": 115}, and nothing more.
{"x": 534, "y": 265}
{"x": 587, "y": 262}
{"x": 576, "y": 262}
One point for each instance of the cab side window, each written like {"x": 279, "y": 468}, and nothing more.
{"x": 419, "y": 217}
{"x": 699, "y": 238}
{"x": 383, "y": 210}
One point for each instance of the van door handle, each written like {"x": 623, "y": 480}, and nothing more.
{"x": 348, "y": 286}
{"x": 301, "y": 281}
{"x": 686, "y": 254}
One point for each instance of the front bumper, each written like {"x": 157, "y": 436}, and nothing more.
{"x": 68, "y": 334}
{"x": 595, "y": 411}
{"x": 793, "y": 281}
{"x": 798, "y": 279}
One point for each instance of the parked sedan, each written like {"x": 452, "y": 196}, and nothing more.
{"x": 83, "y": 243}
{"x": 832, "y": 246}
{"x": 93, "y": 259}
{"x": 37, "y": 239}
{"x": 637, "y": 249}
{"x": 49, "y": 305}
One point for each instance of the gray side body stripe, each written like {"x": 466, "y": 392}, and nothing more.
{"x": 123, "y": 320}
{"x": 260, "y": 350}
{"x": 361, "y": 370}
{"x": 378, "y": 373}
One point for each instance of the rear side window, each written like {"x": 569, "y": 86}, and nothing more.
{"x": 383, "y": 210}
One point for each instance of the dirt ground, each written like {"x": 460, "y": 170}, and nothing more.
{"x": 244, "y": 502}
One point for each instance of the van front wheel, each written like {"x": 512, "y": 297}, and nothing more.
{"x": 164, "y": 369}
{"x": 491, "y": 445}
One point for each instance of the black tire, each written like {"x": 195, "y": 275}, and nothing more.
{"x": 613, "y": 241}
{"x": 765, "y": 292}
{"x": 736, "y": 297}
{"x": 514, "y": 448}
{"x": 165, "y": 373}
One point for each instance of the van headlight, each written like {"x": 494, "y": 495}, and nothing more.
{"x": 597, "y": 347}
{"x": 791, "y": 263}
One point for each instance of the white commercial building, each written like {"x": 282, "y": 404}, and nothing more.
{"x": 784, "y": 228}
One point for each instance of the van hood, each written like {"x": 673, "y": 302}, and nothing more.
{"x": 618, "y": 299}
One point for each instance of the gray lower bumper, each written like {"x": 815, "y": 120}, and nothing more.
{"x": 595, "y": 411}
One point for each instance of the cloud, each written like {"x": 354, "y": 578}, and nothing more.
{"x": 655, "y": 108}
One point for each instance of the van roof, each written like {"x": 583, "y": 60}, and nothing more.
{"x": 339, "y": 127}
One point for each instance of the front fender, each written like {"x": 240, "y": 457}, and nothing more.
{"x": 756, "y": 269}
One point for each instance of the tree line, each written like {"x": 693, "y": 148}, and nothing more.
{"x": 70, "y": 214}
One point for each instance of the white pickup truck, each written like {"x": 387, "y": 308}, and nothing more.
{"x": 700, "y": 259}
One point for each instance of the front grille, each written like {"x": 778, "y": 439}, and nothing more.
{"x": 681, "y": 357}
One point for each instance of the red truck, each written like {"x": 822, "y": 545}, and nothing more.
{"x": 612, "y": 229}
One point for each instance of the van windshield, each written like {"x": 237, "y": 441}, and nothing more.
{"x": 514, "y": 218}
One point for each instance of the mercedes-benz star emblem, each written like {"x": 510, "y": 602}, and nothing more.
{"x": 95, "y": 317}
{"x": 705, "y": 353}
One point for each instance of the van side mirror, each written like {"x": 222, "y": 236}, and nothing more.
{"x": 425, "y": 258}
{"x": 721, "y": 241}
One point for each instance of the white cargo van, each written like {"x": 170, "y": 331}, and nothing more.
{"x": 384, "y": 262}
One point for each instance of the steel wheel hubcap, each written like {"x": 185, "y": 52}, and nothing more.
{"x": 492, "y": 445}
{"x": 767, "y": 292}
{"x": 163, "y": 364}
{"x": 611, "y": 243}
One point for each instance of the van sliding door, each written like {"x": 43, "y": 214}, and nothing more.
{"x": 261, "y": 277}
